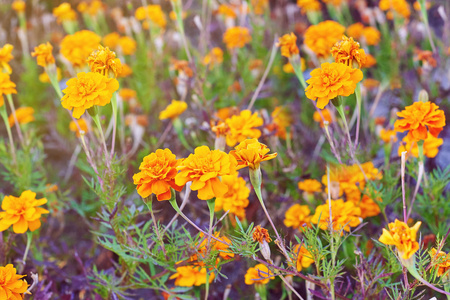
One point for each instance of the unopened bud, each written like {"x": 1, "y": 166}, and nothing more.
{"x": 423, "y": 96}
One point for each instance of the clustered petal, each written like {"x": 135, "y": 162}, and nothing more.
{"x": 12, "y": 286}
{"x": 173, "y": 110}
{"x": 297, "y": 216}
{"x": 104, "y": 61}
{"x": 250, "y": 153}
{"x": 236, "y": 198}
{"x": 344, "y": 215}
{"x": 243, "y": 126}
{"x": 347, "y": 51}
{"x": 237, "y": 37}
{"x": 77, "y": 47}
{"x": 321, "y": 37}
{"x": 288, "y": 44}
{"x": 401, "y": 236}
{"x": 260, "y": 274}
{"x": 43, "y": 54}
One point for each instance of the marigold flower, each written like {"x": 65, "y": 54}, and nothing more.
{"x": 216, "y": 246}
{"x": 261, "y": 234}
{"x": 388, "y": 136}
{"x": 173, "y": 110}
{"x": 43, "y": 54}
{"x": 24, "y": 115}
{"x": 426, "y": 57}
{"x": 355, "y": 30}
{"x": 371, "y": 35}
{"x": 22, "y": 212}
{"x": 310, "y": 185}
{"x": 235, "y": 199}
{"x": 127, "y": 94}
{"x": 288, "y": 44}
{"x": 259, "y": 6}
{"x": 104, "y": 61}
{"x": 430, "y": 146}
{"x": 330, "y": 81}
{"x": 401, "y": 236}
{"x": 242, "y": 126}
{"x": 154, "y": 13}
{"x": 126, "y": 71}
{"x": 348, "y": 52}
{"x": 321, "y": 37}
{"x": 111, "y": 40}
{"x": 444, "y": 259}
{"x": 77, "y": 47}
{"x": 260, "y": 274}
{"x": 5, "y": 57}
{"x": 250, "y": 153}
{"x": 18, "y": 6}
{"x": 304, "y": 257}
{"x": 297, "y": 216}
{"x": 182, "y": 66}
{"x": 191, "y": 276}
{"x": 344, "y": 215}
{"x": 64, "y": 12}
{"x": 83, "y": 126}
{"x": 204, "y": 168}
{"x": 226, "y": 11}
{"x": 369, "y": 208}
{"x": 309, "y": 5}
{"x": 417, "y": 6}
{"x": 370, "y": 61}
{"x": 92, "y": 8}
{"x": 213, "y": 58}
{"x": 87, "y": 90}
{"x": 12, "y": 287}
{"x": 371, "y": 83}
{"x": 322, "y": 116}
{"x": 157, "y": 175}
{"x": 6, "y": 87}
{"x": 236, "y": 37}
{"x": 399, "y": 6}
{"x": 128, "y": 45}
{"x": 419, "y": 117}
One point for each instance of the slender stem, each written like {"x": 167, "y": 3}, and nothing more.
{"x": 340, "y": 109}
{"x": 16, "y": 121}
{"x": 358, "y": 105}
{"x": 8, "y": 129}
{"x": 290, "y": 287}
{"x": 102, "y": 136}
{"x": 403, "y": 185}
{"x": 149, "y": 203}
{"x": 211, "y": 204}
{"x": 114, "y": 111}
{"x": 178, "y": 126}
{"x": 27, "y": 249}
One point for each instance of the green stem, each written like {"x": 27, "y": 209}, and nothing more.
{"x": 178, "y": 126}
{"x": 114, "y": 110}
{"x": 4, "y": 115}
{"x": 297, "y": 65}
{"x": 149, "y": 203}
{"x": 16, "y": 121}
{"x": 211, "y": 204}
{"x": 96, "y": 119}
{"x": 358, "y": 105}
{"x": 53, "y": 75}
{"x": 340, "y": 110}
{"x": 29, "y": 239}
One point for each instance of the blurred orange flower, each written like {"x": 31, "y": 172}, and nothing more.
{"x": 43, "y": 54}
{"x": 399, "y": 6}
{"x": 154, "y": 13}
{"x": 235, "y": 199}
{"x": 444, "y": 259}
{"x": 355, "y": 30}
{"x": 310, "y": 186}
{"x": 192, "y": 275}
{"x": 213, "y": 58}
{"x": 18, "y": 6}
{"x": 401, "y": 236}
{"x": 250, "y": 153}
{"x": 321, "y": 37}
{"x": 323, "y": 115}
{"x": 83, "y": 126}
{"x": 309, "y": 5}
{"x": 304, "y": 257}
{"x": 5, "y": 57}
{"x": 24, "y": 115}
{"x": 297, "y": 216}
{"x": 371, "y": 35}
{"x": 6, "y": 87}
{"x": 127, "y": 45}
{"x": 104, "y": 61}
{"x": 388, "y": 136}
{"x": 430, "y": 146}
{"x": 242, "y": 126}
{"x": 77, "y": 47}
{"x": 236, "y": 37}
{"x": 260, "y": 274}
{"x": 288, "y": 44}
{"x": 173, "y": 110}
{"x": 12, "y": 287}
{"x": 64, "y": 12}
{"x": 216, "y": 246}
{"x": 111, "y": 40}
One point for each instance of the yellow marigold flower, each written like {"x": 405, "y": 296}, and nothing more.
{"x": 330, "y": 81}
{"x": 111, "y": 40}
{"x": 5, "y": 57}
{"x": 259, "y": 6}
{"x": 401, "y": 236}
{"x": 236, "y": 198}
{"x": 6, "y": 87}
{"x": 127, "y": 45}
{"x": 418, "y": 117}
{"x": 297, "y": 216}
{"x": 126, "y": 71}
{"x": 191, "y": 276}
{"x": 355, "y": 30}
{"x": 83, "y": 126}
{"x": 64, "y": 12}
{"x": 388, "y": 136}
{"x": 226, "y": 11}
{"x": 309, "y": 5}
{"x": 321, "y": 37}
{"x": 12, "y": 287}
{"x": 370, "y": 61}
{"x": 250, "y": 153}
{"x": 204, "y": 168}
{"x": 399, "y": 6}
{"x": 371, "y": 35}
{"x": 371, "y": 83}
{"x": 43, "y": 54}
{"x": 104, "y": 61}
{"x": 310, "y": 186}
{"x": 22, "y": 212}
{"x": 261, "y": 235}
{"x": 348, "y": 52}
{"x": 213, "y": 58}
{"x": 24, "y": 115}
{"x": 77, "y": 47}
{"x": 282, "y": 116}
{"x": 344, "y": 215}
{"x": 152, "y": 12}
{"x": 288, "y": 44}
{"x": 127, "y": 94}
{"x": 430, "y": 146}
{"x": 87, "y": 90}
{"x": 260, "y": 274}
{"x": 18, "y": 6}
{"x": 444, "y": 265}
{"x": 304, "y": 257}
{"x": 173, "y": 110}
{"x": 323, "y": 115}
{"x": 242, "y": 126}
{"x": 369, "y": 208}
{"x": 43, "y": 77}
{"x": 236, "y": 37}
{"x": 92, "y": 8}
{"x": 216, "y": 246}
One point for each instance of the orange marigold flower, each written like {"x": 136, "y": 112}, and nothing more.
{"x": 370, "y": 61}
{"x": 236, "y": 37}
{"x": 371, "y": 35}
{"x": 344, "y": 215}
{"x": 213, "y": 58}
{"x": 304, "y": 257}
{"x": 6, "y": 87}
{"x": 127, "y": 45}
{"x": 444, "y": 265}
{"x": 288, "y": 44}
{"x": 321, "y": 37}
{"x": 399, "y": 6}
{"x": 242, "y": 126}
{"x": 250, "y": 153}
{"x": 18, "y": 6}
{"x": 24, "y": 115}
{"x": 92, "y": 8}
{"x": 191, "y": 276}
{"x": 83, "y": 126}
{"x": 111, "y": 40}
{"x": 216, "y": 245}
{"x": 370, "y": 83}
{"x": 236, "y": 198}
{"x": 226, "y": 11}
{"x": 334, "y": 2}
{"x": 430, "y": 146}
{"x": 355, "y": 30}
{"x": 310, "y": 185}
{"x": 297, "y": 216}
{"x": 260, "y": 274}
{"x": 154, "y": 13}
{"x": 261, "y": 234}
{"x": 369, "y": 208}
{"x": 43, "y": 54}
{"x": 64, "y": 12}
{"x": 173, "y": 110}
{"x": 104, "y": 61}
{"x": 127, "y": 94}
{"x": 388, "y": 136}
{"x": 417, "y": 6}
{"x": 126, "y": 71}
{"x": 77, "y": 47}
{"x": 330, "y": 81}
{"x": 5, "y": 57}
{"x": 348, "y": 52}
{"x": 322, "y": 116}
{"x": 204, "y": 168}
{"x": 426, "y": 57}
{"x": 22, "y": 212}
{"x": 418, "y": 117}
{"x": 401, "y": 236}
{"x": 259, "y": 6}
{"x": 309, "y": 5}
{"x": 87, "y": 90}
{"x": 12, "y": 287}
